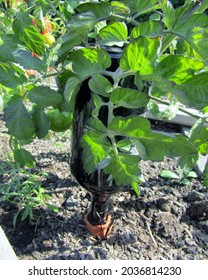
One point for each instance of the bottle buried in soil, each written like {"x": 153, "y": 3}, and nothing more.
{"x": 97, "y": 220}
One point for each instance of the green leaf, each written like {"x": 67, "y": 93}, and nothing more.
{"x": 198, "y": 40}
{"x": 98, "y": 103}
{"x": 139, "y": 6}
{"x": 119, "y": 8}
{"x": 160, "y": 145}
{"x": 128, "y": 98}
{"x": 41, "y": 122}
{"x": 198, "y": 135}
{"x": 100, "y": 10}
{"x": 8, "y": 45}
{"x": 71, "y": 89}
{"x": 95, "y": 149}
{"x": 59, "y": 121}
{"x": 140, "y": 55}
{"x": 132, "y": 126}
{"x": 124, "y": 169}
{"x": 11, "y": 75}
{"x": 151, "y": 28}
{"x": 24, "y": 158}
{"x": 169, "y": 174}
{"x": 194, "y": 93}
{"x": 27, "y": 60}
{"x": 169, "y": 12}
{"x": 178, "y": 69}
{"x": 77, "y": 30}
{"x": 44, "y": 96}
{"x": 28, "y": 33}
{"x": 18, "y": 120}
{"x": 167, "y": 114}
{"x": 185, "y": 24}
{"x": 96, "y": 124}
{"x": 100, "y": 85}
{"x": 89, "y": 61}
{"x": 114, "y": 34}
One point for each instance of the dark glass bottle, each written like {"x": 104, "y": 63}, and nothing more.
{"x": 96, "y": 183}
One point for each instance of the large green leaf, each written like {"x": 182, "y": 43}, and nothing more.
{"x": 198, "y": 40}
{"x": 169, "y": 12}
{"x": 194, "y": 92}
{"x": 132, "y": 126}
{"x": 151, "y": 28}
{"x": 186, "y": 23}
{"x": 18, "y": 120}
{"x": 114, "y": 34}
{"x": 100, "y": 85}
{"x": 124, "y": 169}
{"x": 128, "y": 98}
{"x": 100, "y": 10}
{"x": 95, "y": 149}
{"x": 89, "y": 61}
{"x": 24, "y": 158}
{"x": 77, "y": 30}
{"x": 140, "y": 55}
{"x": 7, "y": 46}
{"x": 41, "y": 122}
{"x": 158, "y": 145}
{"x": 28, "y": 33}
{"x": 139, "y": 6}
{"x": 11, "y": 75}
{"x": 199, "y": 136}
{"x": 44, "y": 96}
{"x": 178, "y": 69}
{"x": 71, "y": 89}
{"x": 27, "y": 60}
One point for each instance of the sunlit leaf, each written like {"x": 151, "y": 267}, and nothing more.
{"x": 23, "y": 157}
{"x": 114, "y": 34}
{"x": 128, "y": 98}
{"x": 140, "y": 55}
{"x": 151, "y": 28}
{"x": 95, "y": 149}
{"x": 11, "y": 75}
{"x": 89, "y": 61}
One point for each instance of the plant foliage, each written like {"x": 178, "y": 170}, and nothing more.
{"x": 163, "y": 51}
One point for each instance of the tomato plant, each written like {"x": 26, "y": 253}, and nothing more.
{"x": 163, "y": 50}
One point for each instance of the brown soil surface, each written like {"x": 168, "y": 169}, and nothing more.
{"x": 168, "y": 220}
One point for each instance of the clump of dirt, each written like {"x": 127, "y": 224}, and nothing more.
{"x": 167, "y": 221}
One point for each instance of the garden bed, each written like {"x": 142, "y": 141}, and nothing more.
{"x": 168, "y": 220}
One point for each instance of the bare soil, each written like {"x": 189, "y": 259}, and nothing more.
{"x": 168, "y": 220}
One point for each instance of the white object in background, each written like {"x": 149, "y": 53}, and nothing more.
{"x": 6, "y": 251}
